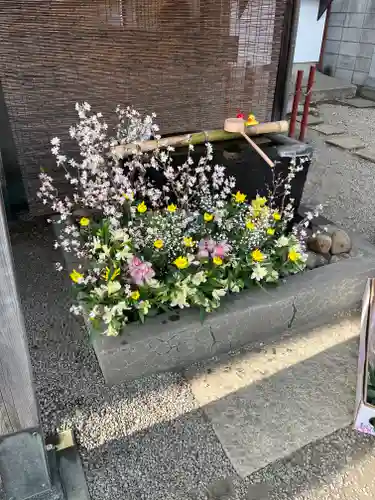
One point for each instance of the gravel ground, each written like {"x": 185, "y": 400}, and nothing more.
{"x": 147, "y": 439}
{"x": 142, "y": 440}
{"x": 342, "y": 182}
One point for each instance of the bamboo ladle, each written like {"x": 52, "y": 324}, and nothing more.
{"x": 237, "y": 125}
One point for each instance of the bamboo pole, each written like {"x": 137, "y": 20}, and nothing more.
{"x": 195, "y": 138}
{"x": 238, "y": 125}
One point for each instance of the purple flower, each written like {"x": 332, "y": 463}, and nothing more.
{"x": 206, "y": 247}
{"x": 140, "y": 271}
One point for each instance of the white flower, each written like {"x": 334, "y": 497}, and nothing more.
{"x": 55, "y": 141}
{"x": 273, "y": 276}
{"x": 283, "y": 241}
{"x": 113, "y": 287}
{"x": 76, "y": 310}
{"x": 221, "y": 292}
{"x": 120, "y": 235}
{"x": 58, "y": 266}
{"x": 259, "y": 272}
{"x": 198, "y": 278}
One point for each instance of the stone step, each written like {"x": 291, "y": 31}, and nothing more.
{"x": 267, "y": 401}
{"x": 346, "y": 142}
{"x": 357, "y": 102}
{"x": 326, "y": 88}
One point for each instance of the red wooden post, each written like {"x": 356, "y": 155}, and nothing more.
{"x": 306, "y": 107}
{"x": 296, "y": 99}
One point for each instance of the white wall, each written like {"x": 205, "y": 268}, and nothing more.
{"x": 309, "y": 33}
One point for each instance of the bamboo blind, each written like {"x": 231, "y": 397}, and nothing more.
{"x": 193, "y": 62}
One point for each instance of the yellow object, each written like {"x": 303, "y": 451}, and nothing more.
{"x": 188, "y": 241}
{"x": 276, "y": 216}
{"x": 257, "y": 255}
{"x": 293, "y": 255}
{"x": 135, "y": 295}
{"x": 208, "y": 217}
{"x": 106, "y": 274}
{"x": 65, "y": 439}
{"x": 84, "y": 221}
{"x": 116, "y": 272}
{"x": 250, "y": 225}
{"x": 142, "y": 208}
{"x": 259, "y": 202}
{"x": 172, "y": 208}
{"x": 181, "y": 262}
{"x": 158, "y": 244}
{"x": 270, "y": 231}
{"x": 76, "y": 276}
{"x": 217, "y": 261}
{"x": 251, "y": 120}
{"x": 239, "y": 197}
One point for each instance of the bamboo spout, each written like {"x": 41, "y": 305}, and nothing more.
{"x": 124, "y": 150}
{"x": 237, "y": 125}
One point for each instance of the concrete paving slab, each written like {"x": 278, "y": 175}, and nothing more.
{"x": 264, "y": 404}
{"x": 311, "y": 120}
{"x": 366, "y": 154}
{"x": 357, "y": 102}
{"x": 345, "y": 142}
{"x": 326, "y": 129}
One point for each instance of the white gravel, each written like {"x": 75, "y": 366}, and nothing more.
{"x": 342, "y": 182}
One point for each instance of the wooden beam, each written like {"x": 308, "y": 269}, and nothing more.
{"x": 18, "y": 407}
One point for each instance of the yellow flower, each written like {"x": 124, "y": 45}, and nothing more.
{"x": 188, "y": 241}
{"x": 276, "y": 216}
{"x": 84, "y": 221}
{"x": 259, "y": 202}
{"x": 106, "y": 274}
{"x": 116, "y": 272}
{"x": 251, "y": 120}
{"x": 208, "y": 217}
{"x": 250, "y": 225}
{"x": 142, "y": 208}
{"x": 239, "y": 197}
{"x": 217, "y": 261}
{"x": 181, "y": 262}
{"x": 135, "y": 295}
{"x": 76, "y": 276}
{"x": 158, "y": 244}
{"x": 257, "y": 255}
{"x": 172, "y": 208}
{"x": 293, "y": 255}
{"x": 271, "y": 231}
{"x": 126, "y": 196}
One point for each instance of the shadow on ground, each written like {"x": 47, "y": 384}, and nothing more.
{"x": 148, "y": 439}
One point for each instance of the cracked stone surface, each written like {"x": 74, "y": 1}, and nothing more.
{"x": 265, "y": 403}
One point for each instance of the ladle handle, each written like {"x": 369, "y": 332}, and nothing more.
{"x": 258, "y": 150}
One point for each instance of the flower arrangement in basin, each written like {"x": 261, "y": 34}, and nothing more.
{"x": 152, "y": 236}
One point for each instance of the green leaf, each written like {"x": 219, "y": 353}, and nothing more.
{"x": 202, "y": 314}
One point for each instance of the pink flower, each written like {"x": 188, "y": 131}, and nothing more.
{"x": 206, "y": 247}
{"x": 140, "y": 271}
{"x": 221, "y": 249}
